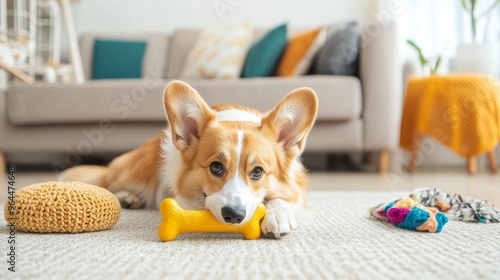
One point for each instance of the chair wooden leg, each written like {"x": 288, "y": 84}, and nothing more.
{"x": 413, "y": 154}
{"x": 492, "y": 161}
{"x": 383, "y": 162}
{"x": 472, "y": 165}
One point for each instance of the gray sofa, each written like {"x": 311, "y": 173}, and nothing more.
{"x": 113, "y": 116}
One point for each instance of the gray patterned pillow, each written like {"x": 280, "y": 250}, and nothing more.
{"x": 339, "y": 55}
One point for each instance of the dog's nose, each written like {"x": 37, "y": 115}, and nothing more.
{"x": 233, "y": 215}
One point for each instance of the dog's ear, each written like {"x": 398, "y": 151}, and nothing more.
{"x": 187, "y": 114}
{"x": 292, "y": 119}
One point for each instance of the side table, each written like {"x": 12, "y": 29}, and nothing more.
{"x": 459, "y": 111}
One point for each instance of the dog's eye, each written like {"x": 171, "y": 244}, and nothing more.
{"x": 257, "y": 173}
{"x": 216, "y": 168}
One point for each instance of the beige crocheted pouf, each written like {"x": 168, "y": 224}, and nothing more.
{"x": 63, "y": 207}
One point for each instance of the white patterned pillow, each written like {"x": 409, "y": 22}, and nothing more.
{"x": 219, "y": 53}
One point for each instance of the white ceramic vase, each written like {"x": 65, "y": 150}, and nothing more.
{"x": 478, "y": 58}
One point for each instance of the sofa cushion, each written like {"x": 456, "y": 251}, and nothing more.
{"x": 124, "y": 100}
{"x": 339, "y": 97}
{"x": 155, "y": 60}
{"x": 263, "y": 57}
{"x": 117, "y": 59}
{"x": 140, "y": 100}
{"x": 183, "y": 41}
{"x": 219, "y": 53}
{"x": 299, "y": 52}
{"x": 339, "y": 55}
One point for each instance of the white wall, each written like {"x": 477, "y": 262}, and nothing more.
{"x": 164, "y": 15}
{"x": 167, "y": 15}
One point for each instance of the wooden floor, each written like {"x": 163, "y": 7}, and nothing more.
{"x": 483, "y": 185}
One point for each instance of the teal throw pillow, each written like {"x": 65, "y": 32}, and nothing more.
{"x": 117, "y": 59}
{"x": 264, "y": 56}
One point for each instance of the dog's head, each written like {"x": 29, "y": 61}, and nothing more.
{"x": 234, "y": 157}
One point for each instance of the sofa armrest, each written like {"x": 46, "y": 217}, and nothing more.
{"x": 381, "y": 79}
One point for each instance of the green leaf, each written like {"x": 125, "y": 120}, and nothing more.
{"x": 421, "y": 57}
{"x": 464, "y": 4}
{"x": 436, "y": 66}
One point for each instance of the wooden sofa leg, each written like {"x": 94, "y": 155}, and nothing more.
{"x": 3, "y": 165}
{"x": 383, "y": 162}
{"x": 472, "y": 165}
{"x": 368, "y": 158}
{"x": 414, "y": 153}
{"x": 492, "y": 161}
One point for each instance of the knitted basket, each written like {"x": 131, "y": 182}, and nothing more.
{"x": 63, "y": 207}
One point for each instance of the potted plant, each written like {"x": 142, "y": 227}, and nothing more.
{"x": 476, "y": 57}
{"x": 428, "y": 66}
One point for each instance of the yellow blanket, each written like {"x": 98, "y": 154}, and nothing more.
{"x": 460, "y": 111}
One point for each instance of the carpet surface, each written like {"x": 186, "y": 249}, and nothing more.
{"x": 336, "y": 240}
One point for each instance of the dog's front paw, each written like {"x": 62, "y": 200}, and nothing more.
{"x": 128, "y": 200}
{"x": 279, "y": 220}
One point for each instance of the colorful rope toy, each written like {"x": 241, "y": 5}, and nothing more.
{"x": 420, "y": 212}
{"x": 407, "y": 213}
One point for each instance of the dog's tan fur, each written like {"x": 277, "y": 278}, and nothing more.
{"x": 197, "y": 138}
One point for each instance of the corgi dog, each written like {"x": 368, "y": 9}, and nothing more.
{"x": 224, "y": 158}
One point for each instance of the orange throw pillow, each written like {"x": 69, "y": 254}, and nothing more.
{"x": 299, "y": 52}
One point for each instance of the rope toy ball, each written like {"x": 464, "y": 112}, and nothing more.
{"x": 65, "y": 207}
{"x": 177, "y": 220}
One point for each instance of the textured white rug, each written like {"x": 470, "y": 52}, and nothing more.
{"x": 338, "y": 241}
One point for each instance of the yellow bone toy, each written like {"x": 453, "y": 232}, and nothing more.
{"x": 177, "y": 220}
